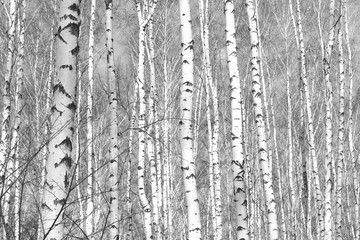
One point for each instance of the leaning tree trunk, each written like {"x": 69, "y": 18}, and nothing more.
{"x": 62, "y": 113}
{"x": 113, "y": 127}
{"x": 237, "y": 163}
{"x": 185, "y": 123}
{"x": 259, "y": 120}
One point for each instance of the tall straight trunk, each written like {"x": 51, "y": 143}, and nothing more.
{"x": 142, "y": 132}
{"x": 129, "y": 233}
{"x": 314, "y": 167}
{"x": 259, "y": 120}
{"x": 207, "y": 78}
{"x": 237, "y": 163}
{"x": 113, "y": 127}
{"x": 78, "y": 151}
{"x": 45, "y": 150}
{"x": 215, "y": 136}
{"x": 151, "y": 133}
{"x": 5, "y": 165}
{"x": 340, "y": 160}
{"x": 328, "y": 126}
{"x": 185, "y": 123}
{"x": 143, "y": 24}
{"x": 15, "y": 149}
{"x": 62, "y": 113}
{"x": 351, "y": 127}
{"x": 90, "y": 135}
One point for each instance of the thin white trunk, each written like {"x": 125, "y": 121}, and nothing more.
{"x": 259, "y": 120}
{"x": 328, "y": 125}
{"x": 237, "y": 163}
{"x": 62, "y": 113}
{"x": 340, "y": 163}
{"x": 185, "y": 123}
{"x": 89, "y": 229}
{"x": 6, "y": 166}
{"x": 318, "y": 194}
{"x": 18, "y": 109}
{"x": 152, "y": 142}
{"x": 351, "y": 128}
{"x": 142, "y": 115}
{"x": 113, "y": 127}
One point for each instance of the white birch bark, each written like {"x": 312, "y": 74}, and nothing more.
{"x": 318, "y": 194}
{"x": 215, "y": 135}
{"x": 15, "y": 149}
{"x": 113, "y": 127}
{"x": 237, "y": 163}
{"x": 62, "y": 114}
{"x": 340, "y": 160}
{"x": 89, "y": 222}
{"x": 259, "y": 120}
{"x": 6, "y": 166}
{"x": 129, "y": 233}
{"x": 328, "y": 126}
{"x": 151, "y": 133}
{"x": 142, "y": 114}
{"x": 351, "y": 127}
{"x": 185, "y": 123}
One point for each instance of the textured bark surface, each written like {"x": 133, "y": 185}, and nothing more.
{"x": 62, "y": 113}
{"x": 113, "y": 127}
{"x": 237, "y": 163}
{"x": 259, "y": 120}
{"x": 185, "y": 123}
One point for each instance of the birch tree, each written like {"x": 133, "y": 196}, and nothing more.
{"x": 113, "y": 126}
{"x": 89, "y": 115}
{"x": 185, "y": 123}
{"x": 6, "y": 178}
{"x": 237, "y": 163}
{"x": 259, "y": 120}
{"x": 62, "y": 113}
{"x": 328, "y": 125}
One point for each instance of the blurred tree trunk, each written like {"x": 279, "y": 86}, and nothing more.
{"x": 62, "y": 113}
{"x": 185, "y": 123}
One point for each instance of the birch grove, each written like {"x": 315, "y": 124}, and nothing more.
{"x": 180, "y": 119}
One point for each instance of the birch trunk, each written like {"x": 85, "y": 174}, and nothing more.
{"x": 62, "y": 114}
{"x": 151, "y": 135}
{"x": 18, "y": 112}
{"x": 328, "y": 126}
{"x": 351, "y": 127}
{"x": 6, "y": 166}
{"x": 340, "y": 163}
{"x": 142, "y": 112}
{"x": 113, "y": 127}
{"x": 259, "y": 120}
{"x": 237, "y": 163}
{"x": 185, "y": 123}
{"x": 90, "y": 135}
{"x": 318, "y": 194}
